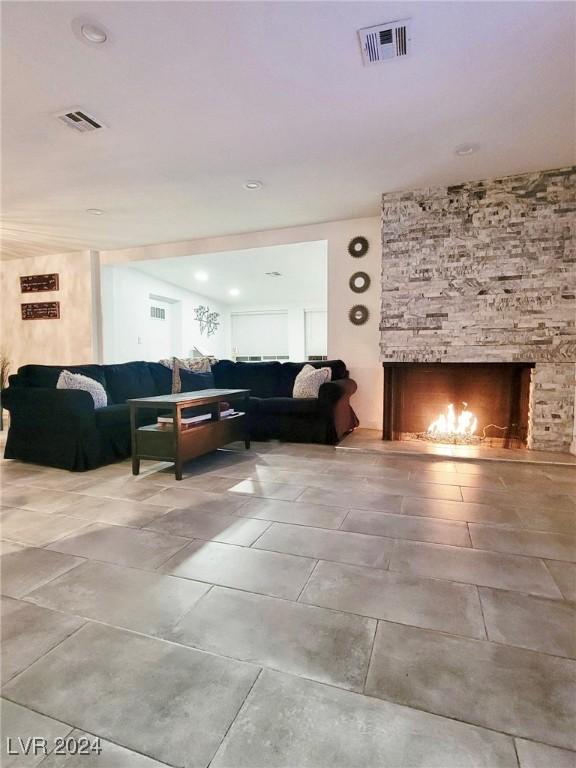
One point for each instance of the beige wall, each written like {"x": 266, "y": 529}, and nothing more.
{"x": 357, "y": 345}
{"x": 67, "y": 340}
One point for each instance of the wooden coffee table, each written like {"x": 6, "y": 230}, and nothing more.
{"x": 180, "y": 445}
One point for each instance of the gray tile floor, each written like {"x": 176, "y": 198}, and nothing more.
{"x": 292, "y": 607}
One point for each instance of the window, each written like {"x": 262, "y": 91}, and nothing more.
{"x": 260, "y": 335}
{"x": 259, "y": 358}
{"x": 315, "y": 322}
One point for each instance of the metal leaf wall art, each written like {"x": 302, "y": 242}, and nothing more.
{"x": 209, "y": 321}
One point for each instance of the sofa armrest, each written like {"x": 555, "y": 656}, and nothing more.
{"x": 37, "y": 407}
{"x": 333, "y": 391}
{"x": 334, "y": 406}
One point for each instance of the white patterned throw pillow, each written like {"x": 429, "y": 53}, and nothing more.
{"x": 69, "y": 380}
{"x": 309, "y": 381}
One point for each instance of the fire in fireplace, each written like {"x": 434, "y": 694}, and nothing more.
{"x": 453, "y": 427}
{"x": 457, "y": 403}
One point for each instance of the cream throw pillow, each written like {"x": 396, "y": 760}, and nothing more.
{"x": 309, "y": 381}
{"x": 69, "y": 380}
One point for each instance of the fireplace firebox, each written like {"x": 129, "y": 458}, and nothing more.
{"x": 491, "y": 399}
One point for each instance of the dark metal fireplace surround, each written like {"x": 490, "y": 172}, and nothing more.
{"x": 497, "y": 393}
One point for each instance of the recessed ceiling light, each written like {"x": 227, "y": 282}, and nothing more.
{"x": 93, "y": 34}
{"x": 463, "y": 150}
{"x": 95, "y": 211}
{"x": 252, "y": 185}
{"x": 89, "y": 32}
{"x": 234, "y": 292}
{"x": 201, "y": 276}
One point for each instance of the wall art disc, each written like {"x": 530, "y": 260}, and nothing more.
{"x": 359, "y": 314}
{"x": 359, "y": 282}
{"x": 358, "y": 247}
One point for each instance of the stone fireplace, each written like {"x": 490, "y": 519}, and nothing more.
{"x": 479, "y": 306}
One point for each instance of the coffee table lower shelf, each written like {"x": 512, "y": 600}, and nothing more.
{"x": 161, "y": 444}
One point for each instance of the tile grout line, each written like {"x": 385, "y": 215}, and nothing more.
{"x": 240, "y": 708}
{"x": 442, "y": 632}
{"x": 253, "y": 545}
{"x": 516, "y": 751}
{"x": 182, "y": 615}
{"x": 307, "y": 582}
{"x": 556, "y": 601}
{"x": 15, "y": 677}
{"x": 397, "y": 541}
{"x": 487, "y": 637}
{"x": 346, "y": 516}
{"x": 304, "y": 677}
{"x": 177, "y": 552}
{"x": 145, "y": 501}
{"x": 469, "y": 535}
{"x": 84, "y": 730}
{"x": 547, "y": 567}
{"x": 363, "y": 691}
{"x": 52, "y": 578}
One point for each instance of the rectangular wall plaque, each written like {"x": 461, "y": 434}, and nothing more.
{"x": 34, "y": 283}
{"x": 41, "y": 310}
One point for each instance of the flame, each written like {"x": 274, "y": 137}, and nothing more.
{"x": 449, "y": 424}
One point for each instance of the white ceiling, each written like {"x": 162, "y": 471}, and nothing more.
{"x": 200, "y": 96}
{"x": 303, "y": 280}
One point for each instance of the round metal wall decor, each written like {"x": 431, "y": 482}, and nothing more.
{"x": 358, "y": 247}
{"x": 359, "y": 282}
{"x": 359, "y": 314}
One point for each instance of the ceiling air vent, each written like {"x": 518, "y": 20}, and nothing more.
{"x": 385, "y": 41}
{"x": 79, "y": 120}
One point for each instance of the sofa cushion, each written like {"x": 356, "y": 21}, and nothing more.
{"x": 113, "y": 416}
{"x": 223, "y": 372}
{"x": 287, "y": 405}
{"x": 162, "y": 378}
{"x": 338, "y": 368}
{"x": 129, "y": 380}
{"x": 191, "y": 381}
{"x": 118, "y": 417}
{"x": 291, "y": 370}
{"x": 47, "y": 375}
{"x": 262, "y": 379}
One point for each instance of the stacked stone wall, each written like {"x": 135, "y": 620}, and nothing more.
{"x": 486, "y": 272}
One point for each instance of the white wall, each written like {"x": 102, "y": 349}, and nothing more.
{"x": 126, "y": 317}
{"x": 358, "y": 346}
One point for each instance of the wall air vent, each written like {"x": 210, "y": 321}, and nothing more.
{"x": 385, "y": 41}
{"x": 79, "y": 120}
{"x": 159, "y": 313}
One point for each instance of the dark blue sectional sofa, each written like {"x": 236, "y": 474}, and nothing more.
{"x": 61, "y": 428}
